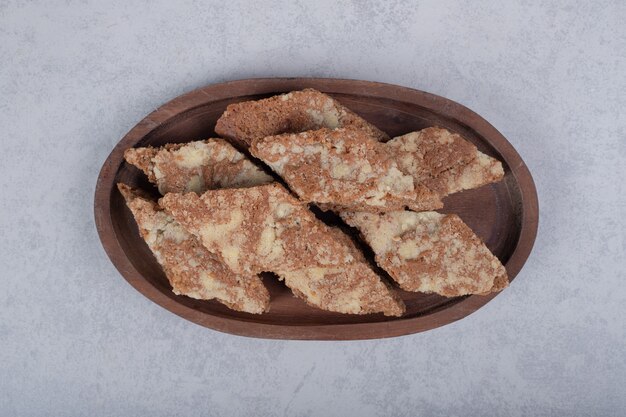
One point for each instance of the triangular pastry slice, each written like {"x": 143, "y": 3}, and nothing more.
{"x": 293, "y": 112}
{"x": 264, "y": 228}
{"x": 191, "y": 269}
{"x": 430, "y": 252}
{"x": 443, "y": 161}
{"x": 345, "y": 169}
{"x": 196, "y": 166}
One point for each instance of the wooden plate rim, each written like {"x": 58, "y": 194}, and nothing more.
{"x": 401, "y": 326}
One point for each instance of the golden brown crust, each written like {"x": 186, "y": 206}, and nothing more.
{"x": 342, "y": 168}
{"x": 264, "y": 228}
{"x": 196, "y": 166}
{"x": 430, "y": 252}
{"x": 443, "y": 161}
{"x": 191, "y": 269}
{"x": 142, "y": 159}
{"x": 293, "y": 112}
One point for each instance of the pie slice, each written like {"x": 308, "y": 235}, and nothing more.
{"x": 443, "y": 161}
{"x": 196, "y": 166}
{"x": 191, "y": 269}
{"x": 264, "y": 228}
{"x": 430, "y": 252}
{"x": 288, "y": 113}
{"x": 345, "y": 169}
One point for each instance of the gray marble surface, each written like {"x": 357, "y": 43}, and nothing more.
{"x": 76, "y": 339}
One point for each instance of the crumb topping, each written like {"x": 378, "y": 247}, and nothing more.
{"x": 293, "y": 112}
{"x": 443, "y": 161}
{"x": 264, "y": 228}
{"x": 430, "y": 252}
{"x": 191, "y": 269}
{"x": 197, "y": 167}
{"x": 343, "y": 167}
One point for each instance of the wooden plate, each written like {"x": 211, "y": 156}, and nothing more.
{"x": 504, "y": 215}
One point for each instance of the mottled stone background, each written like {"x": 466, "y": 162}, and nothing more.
{"x": 77, "y": 340}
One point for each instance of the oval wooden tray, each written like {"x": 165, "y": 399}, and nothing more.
{"x": 504, "y": 215}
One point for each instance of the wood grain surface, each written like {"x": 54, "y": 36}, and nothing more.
{"x": 504, "y": 215}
